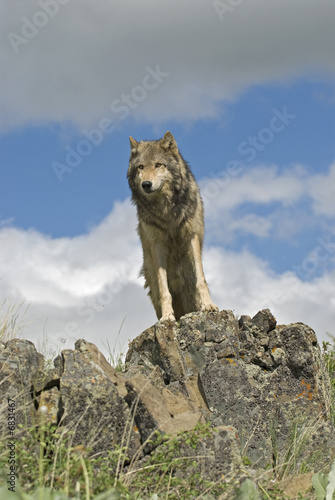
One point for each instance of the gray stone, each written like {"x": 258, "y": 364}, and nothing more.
{"x": 263, "y": 380}
{"x": 92, "y": 401}
{"x": 20, "y": 364}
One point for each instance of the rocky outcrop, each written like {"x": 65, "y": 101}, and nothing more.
{"x": 256, "y": 382}
{"x": 260, "y": 378}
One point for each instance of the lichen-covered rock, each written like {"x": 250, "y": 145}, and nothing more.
{"x": 20, "y": 364}
{"x": 210, "y": 453}
{"x": 166, "y": 397}
{"x": 158, "y": 408}
{"x": 92, "y": 401}
{"x": 266, "y": 381}
{"x": 218, "y": 455}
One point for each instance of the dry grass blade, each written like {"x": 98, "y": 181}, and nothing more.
{"x": 13, "y": 319}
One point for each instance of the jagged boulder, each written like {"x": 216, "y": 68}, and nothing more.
{"x": 265, "y": 380}
{"x": 20, "y": 365}
{"x": 92, "y": 401}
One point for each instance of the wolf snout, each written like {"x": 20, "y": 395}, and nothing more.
{"x": 147, "y": 185}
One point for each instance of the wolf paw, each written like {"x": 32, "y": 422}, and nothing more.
{"x": 167, "y": 317}
{"x": 209, "y": 307}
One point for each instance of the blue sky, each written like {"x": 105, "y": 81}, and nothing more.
{"x": 251, "y": 84}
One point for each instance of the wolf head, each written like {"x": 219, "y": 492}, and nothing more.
{"x": 153, "y": 165}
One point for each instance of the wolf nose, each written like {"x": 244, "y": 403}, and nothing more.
{"x": 146, "y": 185}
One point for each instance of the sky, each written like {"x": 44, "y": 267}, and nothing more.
{"x": 247, "y": 90}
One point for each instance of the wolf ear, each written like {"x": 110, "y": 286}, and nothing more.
{"x": 169, "y": 143}
{"x": 133, "y": 145}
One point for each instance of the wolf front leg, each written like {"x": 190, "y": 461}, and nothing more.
{"x": 158, "y": 253}
{"x": 202, "y": 287}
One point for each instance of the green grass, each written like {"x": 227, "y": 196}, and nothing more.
{"x": 116, "y": 355}
{"x": 328, "y": 353}
{"x": 46, "y": 458}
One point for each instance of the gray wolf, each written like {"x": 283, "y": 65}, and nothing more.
{"x": 170, "y": 226}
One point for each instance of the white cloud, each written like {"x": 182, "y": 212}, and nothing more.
{"x": 208, "y": 59}
{"x": 87, "y": 285}
{"x": 246, "y": 284}
{"x": 61, "y": 271}
{"x": 261, "y": 184}
{"x": 253, "y": 224}
{"x": 82, "y": 286}
{"x": 322, "y": 189}
{"x": 282, "y": 192}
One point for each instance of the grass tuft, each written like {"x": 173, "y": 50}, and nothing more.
{"x": 13, "y": 319}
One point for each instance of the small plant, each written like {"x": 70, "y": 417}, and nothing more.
{"x": 116, "y": 356}
{"x": 246, "y": 461}
{"x": 288, "y": 461}
{"x": 328, "y": 352}
{"x": 325, "y": 486}
{"x": 247, "y": 491}
{"x": 48, "y": 350}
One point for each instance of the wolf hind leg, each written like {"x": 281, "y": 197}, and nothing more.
{"x": 185, "y": 297}
{"x": 151, "y": 283}
{"x": 184, "y": 303}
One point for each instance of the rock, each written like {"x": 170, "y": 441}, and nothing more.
{"x": 264, "y": 321}
{"x": 48, "y": 405}
{"x": 263, "y": 380}
{"x": 167, "y": 398}
{"x": 296, "y": 484}
{"x": 92, "y": 401}
{"x": 214, "y": 454}
{"x": 258, "y": 384}
{"x": 219, "y": 454}
{"x": 158, "y": 408}
{"x": 20, "y": 364}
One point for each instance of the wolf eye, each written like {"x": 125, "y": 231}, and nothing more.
{"x": 141, "y": 167}
{"x": 158, "y": 165}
